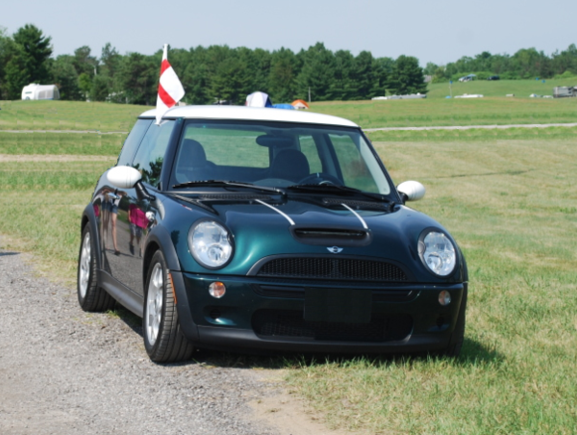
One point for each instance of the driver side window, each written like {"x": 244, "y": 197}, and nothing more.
{"x": 150, "y": 155}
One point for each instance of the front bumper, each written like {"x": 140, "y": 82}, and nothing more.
{"x": 263, "y": 314}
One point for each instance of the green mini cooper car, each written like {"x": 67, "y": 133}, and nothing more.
{"x": 267, "y": 229}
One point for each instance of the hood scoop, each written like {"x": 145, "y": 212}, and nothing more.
{"x": 358, "y": 205}
{"x": 232, "y": 197}
{"x": 331, "y": 236}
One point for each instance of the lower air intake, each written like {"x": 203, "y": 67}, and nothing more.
{"x": 291, "y": 324}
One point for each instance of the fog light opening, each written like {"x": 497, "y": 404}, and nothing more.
{"x": 214, "y": 314}
{"x": 217, "y": 289}
{"x": 444, "y": 298}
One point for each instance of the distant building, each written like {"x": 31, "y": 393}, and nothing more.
{"x": 35, "y": 91}
{"x": 565, "y": 91}
{"x": 300, "y": 104}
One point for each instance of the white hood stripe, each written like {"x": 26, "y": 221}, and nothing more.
{"x": 277, "y": 210}
{"x": 357, "y": 215}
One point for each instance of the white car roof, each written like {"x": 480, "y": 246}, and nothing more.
{"x": 251, "y": 114}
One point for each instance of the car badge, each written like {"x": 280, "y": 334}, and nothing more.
{"x": 335, "y": 249}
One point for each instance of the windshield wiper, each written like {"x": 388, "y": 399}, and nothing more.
{"x": 225, "y": 183}
{"x": 346, "y": 189}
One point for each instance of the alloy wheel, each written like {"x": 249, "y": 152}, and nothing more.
{"x": 154, "y": 302}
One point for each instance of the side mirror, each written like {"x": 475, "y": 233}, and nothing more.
{"x": 123, "y": 177}
{"x": 127, "y": 177}
{"x": 411, "y": 190}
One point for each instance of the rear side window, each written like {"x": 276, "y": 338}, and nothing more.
{"x": 132, "y": 141}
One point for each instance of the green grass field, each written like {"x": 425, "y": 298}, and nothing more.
{"x": 442, "y": 112}
{"x": 61, "y": 143}
{"x": 512, "y": 206}
{"x": 433, "y": 111}
{"x": 509, "y": 197}
{"x": 68, "y": 115}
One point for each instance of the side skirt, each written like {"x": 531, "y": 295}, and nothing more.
{"x": 126, "y": 297}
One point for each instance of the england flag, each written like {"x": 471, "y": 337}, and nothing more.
{"x": 170, "y": 90}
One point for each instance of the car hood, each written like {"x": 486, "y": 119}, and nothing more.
{"x": 262, "y": 228}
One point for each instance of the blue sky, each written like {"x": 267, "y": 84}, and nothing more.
{"x": 433, "y": 31}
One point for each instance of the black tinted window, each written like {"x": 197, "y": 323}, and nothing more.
{"x": 132, "y": 141}
{"x": 276, "y": 155}
{"x": 150, "y": 155}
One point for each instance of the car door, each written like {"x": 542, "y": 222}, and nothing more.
{"x": 127, "y": 232}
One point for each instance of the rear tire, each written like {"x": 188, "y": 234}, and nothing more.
{"x": 90, "y": 297}
{"x": 458, "y": 336}
{"x": 163, "y": 337}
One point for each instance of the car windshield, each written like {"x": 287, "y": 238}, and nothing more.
{"x": 276, "y": 155}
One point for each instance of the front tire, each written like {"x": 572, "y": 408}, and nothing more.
{"x": 91, "y": 297}
{"x": 163, "y": 337}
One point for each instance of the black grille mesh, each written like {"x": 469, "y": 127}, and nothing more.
{"x": 332, "y": 268}
{"x": 291, "y": 324}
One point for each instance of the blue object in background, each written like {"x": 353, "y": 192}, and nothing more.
{"x": 284, "y": 106}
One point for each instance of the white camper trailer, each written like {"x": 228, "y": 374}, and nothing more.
{"x": 40, "y": 92}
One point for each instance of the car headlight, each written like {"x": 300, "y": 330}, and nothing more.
{"x": 437, "y": 252}
{"x": 210, "y": 244}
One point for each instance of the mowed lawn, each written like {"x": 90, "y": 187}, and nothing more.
{"x": 68, "y": 115}
{"x": 510, "y": 200}
{"x": 512, "y": 207}
{"x": 449, "y": 112}
{"x": 434, "y": 111}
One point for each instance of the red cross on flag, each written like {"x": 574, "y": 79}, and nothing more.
{"x": 170, "y": 90}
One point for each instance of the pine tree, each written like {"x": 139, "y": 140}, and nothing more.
{"x": 407, "y": 77}
{"x": 17, "y": 75}
{"x": 34, "y": 50}
{"x": 317, "y": 73}
{"x": 282, "y": 75}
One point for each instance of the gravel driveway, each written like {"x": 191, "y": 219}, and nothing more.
{"x": 63, "y": 371}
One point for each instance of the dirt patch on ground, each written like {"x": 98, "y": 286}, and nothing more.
{"x": 286, "y": 411}
{"x": 53, "y": 158}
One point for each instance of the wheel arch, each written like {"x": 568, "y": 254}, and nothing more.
{"x": 159, "y": 239}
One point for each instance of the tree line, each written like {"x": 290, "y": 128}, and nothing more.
{"x": 217, "y": 73}
{"x": 208, "y": 74}
{"x": 526, "y": 63}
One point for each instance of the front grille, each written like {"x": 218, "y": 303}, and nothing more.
{"x": 331, "y": 268}
{"x": 291, "y": 324}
